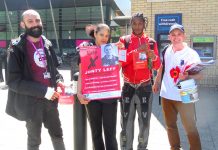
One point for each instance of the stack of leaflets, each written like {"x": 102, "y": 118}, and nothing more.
{"x": 197, "y": 67}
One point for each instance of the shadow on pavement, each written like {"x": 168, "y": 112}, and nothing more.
{"x": 207, "y": 120}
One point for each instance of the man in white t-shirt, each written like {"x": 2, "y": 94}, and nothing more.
{"x": 177, "y": 56}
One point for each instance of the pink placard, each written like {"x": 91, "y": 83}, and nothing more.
{"x": 3, "y": 44}
{"x": 98, "y": 81}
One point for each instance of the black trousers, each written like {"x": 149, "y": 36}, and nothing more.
{"x": 135, "y": 99}
{"x": 1, "y": 73}
{"x": 46, "y": 113}
{"x": 103, "y": 114}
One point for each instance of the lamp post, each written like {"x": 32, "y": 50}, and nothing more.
{"x": 79, "y": 121}
{"x": 102, "y": 13}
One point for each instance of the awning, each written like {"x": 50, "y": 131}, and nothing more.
{"x": 44, "y": 4}
{"x": 122, "y": 20}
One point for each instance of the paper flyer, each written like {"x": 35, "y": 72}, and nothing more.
{"x": 122, "y": 55}
{"x": 197, "y": 67}
{"x": 140, "y": 60}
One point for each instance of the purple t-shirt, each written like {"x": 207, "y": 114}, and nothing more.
{"x": 38, "y": 62}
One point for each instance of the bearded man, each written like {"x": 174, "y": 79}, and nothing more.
{"x": 32, "y": 80}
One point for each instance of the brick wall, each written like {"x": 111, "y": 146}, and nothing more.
{"x": 198, "y": 17}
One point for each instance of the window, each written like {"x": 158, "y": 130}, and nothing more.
{"x": 96, "y": 12}
{"x": 51, "y": 34}
{"x": 2, "y": 35}
{"x": 83, "y": 13}
{"x": 70, "y": 34}
{"x": 80, "y": 34}
{"x": 68, "y": 14}
{"x": 13, "y": 16}
{"x": 56, "y": 15}
{"x": 2, "y": 17}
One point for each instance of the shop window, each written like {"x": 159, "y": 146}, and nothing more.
{"x": 81, "y": 34}
{"x": 96, "y": 12}
{"x": 2, "y": 17}
{"x": 83, "y": 13}
{"x": 13, "y": 16}
{"x": 56, "y": 15}
{"x": 68, "y": 14}
{"x": 69, "y": 34}
{"x": 51, "y": 34}
{"x": 2, "y": 28}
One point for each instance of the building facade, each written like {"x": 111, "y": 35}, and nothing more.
{"x": 200, "y": 20}
{"x": 68, "y": 26}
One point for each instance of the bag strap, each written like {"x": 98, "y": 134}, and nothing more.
{"x": 126, "y": 41}
{"x": 163, "y": 65}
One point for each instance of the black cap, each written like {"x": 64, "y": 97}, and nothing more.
{"x": 176, "y": 26}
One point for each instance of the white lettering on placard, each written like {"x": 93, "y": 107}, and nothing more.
{"x": 93, "y": 71}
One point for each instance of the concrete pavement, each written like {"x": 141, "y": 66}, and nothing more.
{"x": 13, "y": 132}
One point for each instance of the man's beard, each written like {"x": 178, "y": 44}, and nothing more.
{"x": 35, "y": 32}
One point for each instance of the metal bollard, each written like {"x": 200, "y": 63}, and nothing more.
{"x": 79, "y": 121}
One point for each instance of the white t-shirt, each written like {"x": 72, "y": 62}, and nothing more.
{"x": 172, "y": 59}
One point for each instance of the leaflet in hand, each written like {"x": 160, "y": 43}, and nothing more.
{"x": 197, "y": 67}
{"x": 122, "y": 55}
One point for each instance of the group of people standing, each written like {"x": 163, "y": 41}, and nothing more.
{"x": 33, "y": 81}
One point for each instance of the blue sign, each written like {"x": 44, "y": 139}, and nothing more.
{"x": 164, "y": 21}
{"x": 162, "y": 27}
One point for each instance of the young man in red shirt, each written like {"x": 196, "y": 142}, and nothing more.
{"x": 137, "y": 91}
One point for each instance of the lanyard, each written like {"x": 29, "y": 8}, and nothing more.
{"x": 37, "y": 51}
